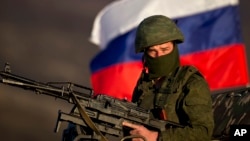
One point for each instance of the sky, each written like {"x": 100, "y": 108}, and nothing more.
{"x": 49, "y": 41}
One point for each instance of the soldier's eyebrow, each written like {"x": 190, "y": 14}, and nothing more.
{"x": 165, "y": 47}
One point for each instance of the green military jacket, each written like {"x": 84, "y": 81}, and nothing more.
{"x": 185, "y": 97}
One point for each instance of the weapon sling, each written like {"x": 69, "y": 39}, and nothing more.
{"x": 86, "y": 118}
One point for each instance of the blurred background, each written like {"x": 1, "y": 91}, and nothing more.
{"x": 48, "y": 41}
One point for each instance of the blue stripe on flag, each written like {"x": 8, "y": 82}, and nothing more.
{"x": 210, "y": 30}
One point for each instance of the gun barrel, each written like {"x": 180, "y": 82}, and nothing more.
{"x": 57, "y": 89}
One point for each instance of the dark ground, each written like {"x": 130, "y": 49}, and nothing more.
{"x": 48, "y": 41}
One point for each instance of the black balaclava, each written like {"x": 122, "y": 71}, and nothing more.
{"x": 162, "y": 65}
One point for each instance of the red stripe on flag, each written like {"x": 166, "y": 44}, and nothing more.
{"x": 117, "y": 80}
{"x": 222, "y": 67}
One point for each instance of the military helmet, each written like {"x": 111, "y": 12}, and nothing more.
{"x": 155, "y": 30}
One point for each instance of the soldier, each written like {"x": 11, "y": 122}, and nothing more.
{"x": 170, "y": 91}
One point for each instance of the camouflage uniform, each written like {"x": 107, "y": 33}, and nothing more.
{"x": 183, "y": 94}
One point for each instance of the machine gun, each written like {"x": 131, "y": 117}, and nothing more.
{"x": 98, "y": 115}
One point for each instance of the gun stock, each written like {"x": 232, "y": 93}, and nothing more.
{"x": 100, "y": 114}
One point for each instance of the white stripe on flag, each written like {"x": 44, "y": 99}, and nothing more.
{"x": 121, "y": 16}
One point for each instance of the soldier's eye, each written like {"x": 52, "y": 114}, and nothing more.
{"x": 164, "y": 49}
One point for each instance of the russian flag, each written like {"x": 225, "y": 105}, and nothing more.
{"x": 213, "y": 42}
